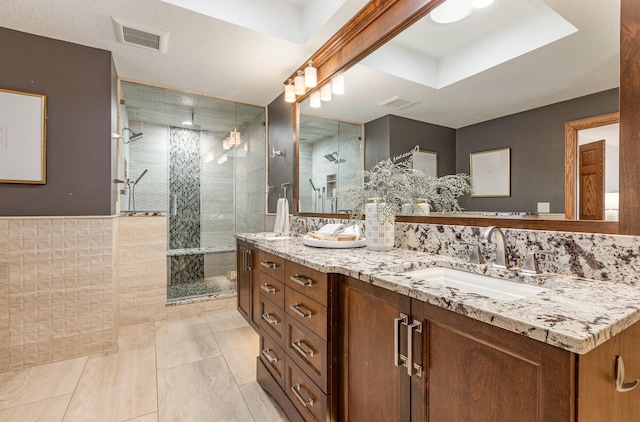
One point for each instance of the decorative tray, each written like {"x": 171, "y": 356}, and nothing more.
{"x": 334, "y": 244}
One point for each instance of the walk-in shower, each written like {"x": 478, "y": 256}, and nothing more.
{"x": 208, "y": 187}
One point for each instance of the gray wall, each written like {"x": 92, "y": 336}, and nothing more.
{"x": 390, "y": 136}
{"x": 77, "y": 81}
{"x": 281, "y": 137}
{"x": 536, "y": 139}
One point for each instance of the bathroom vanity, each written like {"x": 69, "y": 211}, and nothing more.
{"x": 352, "y": 335}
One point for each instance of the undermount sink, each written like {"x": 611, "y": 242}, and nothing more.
{"x": 492, "y": 287}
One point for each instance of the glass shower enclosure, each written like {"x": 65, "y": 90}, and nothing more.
{"x": 201, "y": 160}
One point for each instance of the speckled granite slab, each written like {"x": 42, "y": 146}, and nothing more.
{"x": 575, "y": 314}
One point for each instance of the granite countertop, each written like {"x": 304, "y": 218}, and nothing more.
{"x": 575, "y": 314}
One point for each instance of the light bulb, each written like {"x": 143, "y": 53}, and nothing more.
{"x": 325, "y": 92}
{"x": 337, "y": 84}
{"x": 314, "y": 100}
{"x": 298, "y": 83}
{"x": 310, "y": 76}
{"x": 289, "y": 93}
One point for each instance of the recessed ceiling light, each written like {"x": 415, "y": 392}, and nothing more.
{"x": 451, "y": 11}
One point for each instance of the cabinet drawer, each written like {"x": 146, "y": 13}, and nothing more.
{"x": 269, "y": 264}
{"x": 273, "y": 358}
{"x": 308, "y": 350}
{"x": 271, "y": 319}
{"x": 307, "y": 312}
{"x": 310, "y": 401}
{"x": 270, "y": 287}
{"x": 310, "y": 282}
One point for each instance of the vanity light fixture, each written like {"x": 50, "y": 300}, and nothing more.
{"x": 314, "y": 100}
{"x": 325, "y": 92}
{"x": 310, "y": 76}
{"x": 298, "y": 83}
{"x": 289, "y": 92}
{"x": 337, "y": 84}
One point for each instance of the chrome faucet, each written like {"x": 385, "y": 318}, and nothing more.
{"x": 502, "y": 260}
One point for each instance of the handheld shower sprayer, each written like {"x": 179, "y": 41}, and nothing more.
{"x": 132, "y": 135}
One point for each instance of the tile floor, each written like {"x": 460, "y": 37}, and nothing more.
{"x": 196, "y": 369}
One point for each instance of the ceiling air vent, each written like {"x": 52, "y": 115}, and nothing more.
{"x": 131, "y": 34}
{"x": 398, "y": 103}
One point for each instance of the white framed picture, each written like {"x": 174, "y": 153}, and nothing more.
{"x": 491, "y": 173}
{"x": 22, "y": 137}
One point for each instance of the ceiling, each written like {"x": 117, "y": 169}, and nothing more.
{"x": 244, "y": 55}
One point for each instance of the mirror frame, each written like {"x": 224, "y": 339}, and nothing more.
{"x": 379, "y": 21}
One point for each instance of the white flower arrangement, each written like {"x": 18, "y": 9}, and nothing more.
{"x": 395, "y": 182}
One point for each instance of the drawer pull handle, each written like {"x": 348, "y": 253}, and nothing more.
{"x": 301, "y": 281}
{"x": 621, "y": 385}
{"x": 398, "y": 359}
{"x": 271, "y": 321}
{"x": 269, "y": 264}
{"x": 297, "y": 390}
{"x": 298, "y": 346}
{"x": 304, "y": 313}
{"x": 268, "y": 289}
{"x": 267, "y": 354}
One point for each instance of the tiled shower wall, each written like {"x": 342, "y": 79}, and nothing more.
{"x": 56, "y": 288}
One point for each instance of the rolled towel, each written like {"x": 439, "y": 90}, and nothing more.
{"x": 278, "y": 227}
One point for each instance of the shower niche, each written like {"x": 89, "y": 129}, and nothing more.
{"x": 200, "y": 161}
{"x": 331, "y": 154}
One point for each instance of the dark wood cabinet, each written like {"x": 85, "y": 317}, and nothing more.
{"x": 374, "y": 384}
{"x": 334, "y": 348}
{"x": 290, "y": 308}
{"x": 465, "y": 370}
{"x": 472, "y": 370}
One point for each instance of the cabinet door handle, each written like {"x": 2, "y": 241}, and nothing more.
{"x": 298, "y": 346}
{"x": 297, "y": 391}
{"x": 303, "y": 282}
{"x": 621, "y": 385}
{"x": 267, "y": 354}
{"x": 249, "y": 255}
{"x": 268, "y": 289}
{"x": 269, "y": 264}
{"x": 271, "y": 321}
{"x": 411, "y": 365}
{"x": 398, "y": 359}
{"x": 304, "y": 313}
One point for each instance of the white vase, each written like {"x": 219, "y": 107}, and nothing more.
{"x": 423, "y": 206}
{"x": 380, "y": 235}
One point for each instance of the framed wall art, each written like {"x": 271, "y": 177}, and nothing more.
{"x": 22, "y": 137}
{"x": 491, "y": 173}
{"x": 426, "y": 161}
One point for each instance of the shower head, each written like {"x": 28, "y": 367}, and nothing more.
{"x": 133, "y": 136}
{"x": 332, "y": 157}
{"x": 140, "y": 177}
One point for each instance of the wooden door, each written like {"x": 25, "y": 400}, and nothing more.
{"x": 372, "y": 387}
{"x": 243, "y": 279}
{"x": 591, "y": 170}
{"x": 476, "y": 372}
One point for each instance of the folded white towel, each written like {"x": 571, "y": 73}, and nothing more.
{"x": 330, "y": 229}
{"x": 282, "y": 217}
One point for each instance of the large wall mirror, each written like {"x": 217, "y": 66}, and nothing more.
{"x": 507, "y": 76}
{"x": 330, "y": 153}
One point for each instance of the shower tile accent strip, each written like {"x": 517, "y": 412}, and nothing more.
{"x": 184, "y": 188}
{"x": 56, "y": 289}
